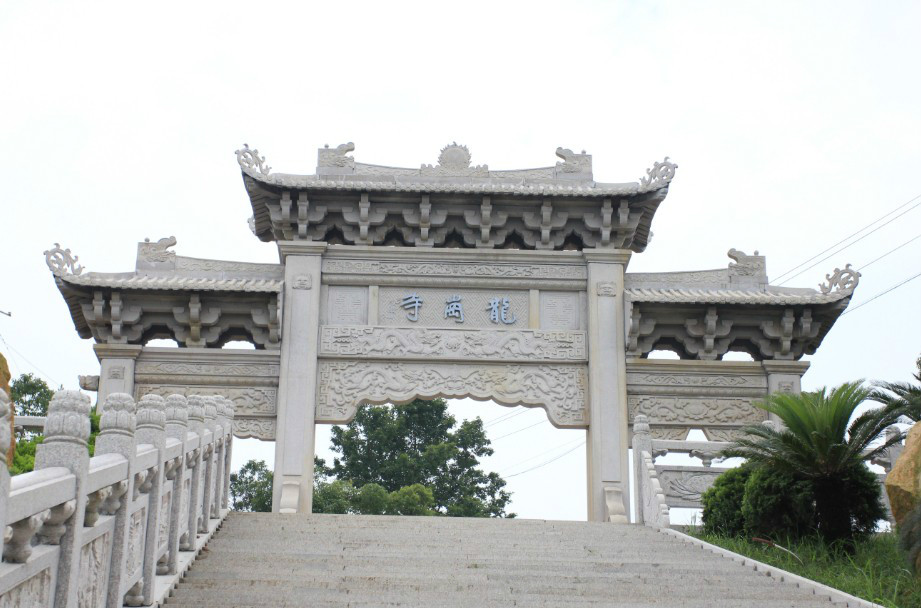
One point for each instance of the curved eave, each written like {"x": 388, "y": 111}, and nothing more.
{"x": 261, "y": 190}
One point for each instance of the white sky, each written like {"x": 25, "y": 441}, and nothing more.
{"x": 794, "y": 124}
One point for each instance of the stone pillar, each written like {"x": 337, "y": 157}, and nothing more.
{"x": 297, "y": 383}
{"x": 151, "y": 429}
{"x": 116, "y": 370}
{"x": 116, "y": 436}
{"x": 642, "y": 442}
{"x": 228, "y": 451}
{"x": 177, "y": 420}
{"x": 67, "y": 428}
{"x": 195, "y": 462}
{"x": 606, "y": 441}
{"x": 209, "y": 453}
{"x": 784, "y": 377}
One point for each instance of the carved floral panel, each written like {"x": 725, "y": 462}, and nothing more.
{"x": 684, "y": 485}
{"x": 94, "y": 572}
{"x": 669, "y": 410}
{"x": 207, "y": 369}
{"x": 134, "y": 555}
{"x": 527, "y": 271}
{"x": 260, "y": 428}
{"x": 560, "y": 388}
{"x": 452, "y": 343}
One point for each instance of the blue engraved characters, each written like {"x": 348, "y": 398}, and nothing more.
{"x": 412, "y": 303}
{"x": 499, "y": 309}
{"x": 454, "y": 308}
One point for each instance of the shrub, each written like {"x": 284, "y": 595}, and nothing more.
{"x": 848, "y": 502}
{"x": 722, "y": 502}
{"x": 777, "y": 505}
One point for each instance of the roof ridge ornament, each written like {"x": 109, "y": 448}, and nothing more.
{"x": 454, "y": 160}
{"x": 250, "y": 160}
{"x": 845, "y": 279}
{"x": 336, "y": 157}
{"x": 61, "y": 261}
{"x": 157, "y": 252}
{"x": 572, "y": 162}
{"x": 659, "y": 176}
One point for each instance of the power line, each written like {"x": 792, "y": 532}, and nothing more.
{"x": 893, "y": 250}
{"x": 48, "y": 376}
{"x": 849, "y": 237}
{"x": 519, "y": 430}
{"x": 882, "y": 293}
{"x": 507, "y": 417}
{"x": 852, "y": 243}
{"x": 543, "y": 464}
{"x": 545, "y": 452}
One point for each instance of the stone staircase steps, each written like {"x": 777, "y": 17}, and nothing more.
{"x": 366, "y": 561}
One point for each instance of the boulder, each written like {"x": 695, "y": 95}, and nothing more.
{"x": 903, "y": 483}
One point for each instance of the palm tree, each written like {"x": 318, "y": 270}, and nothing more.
{"x": 820, "y": 444}
{"x": 904, "y": 395}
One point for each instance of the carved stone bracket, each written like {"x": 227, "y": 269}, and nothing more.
{"x": 560, "y": 389}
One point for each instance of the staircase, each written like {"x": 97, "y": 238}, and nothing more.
{"x": 262, "y": 559}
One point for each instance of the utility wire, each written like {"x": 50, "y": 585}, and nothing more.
{"x": 893, "y": 250}
{"x": 543, "y": 464}
{"x": 852, "y": 243}
{"x": 849, "y": 237}
{"x": 507, "y": 418}
{"x": 881, "y": 294}
{"x": 519, "y": 430}
{"x": 545, "y": 452}
{"x": 48, "y": 376}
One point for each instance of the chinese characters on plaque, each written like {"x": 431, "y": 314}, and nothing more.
{"x": 499, "y": 310}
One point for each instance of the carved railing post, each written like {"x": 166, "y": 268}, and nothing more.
{"x": 228, "y": 451}
{"x": 194, "y": 461}
{"x": 177, "y": 423}
{"x": 151, "y": 429}
{"x": 67, "y": 427}
{"x": 220, "y": 449}
{"x": 5, "y": 412}
{"x": 208, "y": 460}
{"x": 642, "y": 442}
{"x": 116, "y": 436}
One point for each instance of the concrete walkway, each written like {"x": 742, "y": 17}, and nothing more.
{"x": 261, "y": 559}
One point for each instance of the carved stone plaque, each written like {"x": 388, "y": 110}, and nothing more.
{"x": 347, "y": 305}
{"x": 475, "y": 303}
{"x": 559, "y": 310}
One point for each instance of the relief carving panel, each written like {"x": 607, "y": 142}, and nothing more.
{"x": 34, "y": 591}
{"x": 94, "y": 572}
{"x": 452, "y": 343}
{"x": 260, "y": 428}
{"x": 528, "y": 271}
{"x": 560, "y": 389}
{"x": 684, "y": 485}
{"x": 668, "y": 410}
{"x": 134, "y": 555}
{"x": 248, "y": 401}
{"x": 207, "y": 369}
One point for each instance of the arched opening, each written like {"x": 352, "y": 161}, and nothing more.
{"x": 238, "y": 344}
{"x": 737, "y": 355}
{"x": 162, "y": 343}
{"x": 159, "y": 335}
{"x": 662, "y": 353}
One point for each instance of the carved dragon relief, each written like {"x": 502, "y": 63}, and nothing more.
{"x": 560, "y": 389}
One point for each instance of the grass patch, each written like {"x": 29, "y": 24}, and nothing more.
{"x": 876, "y": 571}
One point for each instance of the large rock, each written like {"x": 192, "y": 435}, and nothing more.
{"x": 5, "y": 377}
{"x": 903, "y": 484}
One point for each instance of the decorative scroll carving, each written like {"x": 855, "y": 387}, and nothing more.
{"x": 840, "y": 280}
{"x": 18, "y": 541}
{"x": 260, "y": 428}
{"x": 529, "y": 271}
{"x": 207, "y": 369}
{"x": 708, "y": 330}
{"x": 302, "y": 281}
{"x": 54, "y": 526}
{"x": 667, "y": 410}
{"x": 606, "y": 289}
{"x": 250, "y": 160}
{"x": 94, "y": 572}
{"x": 34, "y": 591}
{"x": 659, "y": 176}
{"x": 695, "y": 380}
{"x": 452, "y": 344}
{"x": 683, "y": 487}
{"x": 163, "y": 528}
{"x": 62, "y": 261}
{"x": 343, "y": 385}
{"x": 720, "y": 434}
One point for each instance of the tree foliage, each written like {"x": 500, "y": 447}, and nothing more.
{"x": 904, "y": 396}
{"x": 251, "y": 487}
{"x": 819, "y": 444}
{"x": 31, "y": 395}
{"x": 420, "y": 444}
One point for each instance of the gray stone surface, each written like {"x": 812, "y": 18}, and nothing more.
{"x": 330, "y": 560}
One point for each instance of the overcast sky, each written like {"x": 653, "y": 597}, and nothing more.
{"x": 794, "y": 124}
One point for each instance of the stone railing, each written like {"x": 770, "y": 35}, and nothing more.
{"x": 121, "y": 527}
{"x": 677, "y": 485}
{"x": 651, "y": 508}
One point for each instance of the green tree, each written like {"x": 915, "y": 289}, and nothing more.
{"x": 251, "y": 487}
{"x": 821, "y": 445}
{"x": 31, "y": 395}
{"x": 24, "y": 454}
{"x": 420, "y": 443}
{"x": 901, "y": 395}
